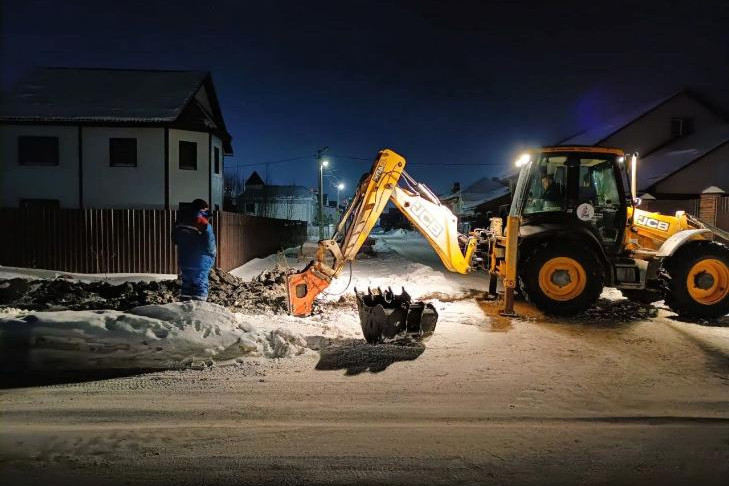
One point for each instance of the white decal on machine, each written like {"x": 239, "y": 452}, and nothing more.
{"x": 428, "y": 221}
{"x": 585, "y": 212}
{"x": 649, "y": 222}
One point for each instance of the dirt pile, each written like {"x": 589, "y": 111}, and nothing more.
{"x": 264, "y": 294}
{"x": 612, "y": 311}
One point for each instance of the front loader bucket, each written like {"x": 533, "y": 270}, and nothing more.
{"x": 386, "y": 316}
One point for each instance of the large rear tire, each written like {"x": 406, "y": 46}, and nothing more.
{"x": 698, "y": 283}
{"x": 562, "y": 278}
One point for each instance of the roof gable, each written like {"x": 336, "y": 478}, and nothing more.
{"x": 70, "y": 94}
{"x": 254, "y": 180}
{"x": 112, "y": 96}
{"x": 602, "y": 131}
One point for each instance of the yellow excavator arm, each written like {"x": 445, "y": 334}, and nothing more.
{"x": 380, "y": 186}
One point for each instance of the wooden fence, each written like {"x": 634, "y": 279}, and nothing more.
{"x": 722, "y": 213}
{"x": 129, "y": 240}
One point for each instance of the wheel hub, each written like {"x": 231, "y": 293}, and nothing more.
{"x": 560, "y": 278}
{"x": 708, "y": 281}
{"x": 704, "y": 281}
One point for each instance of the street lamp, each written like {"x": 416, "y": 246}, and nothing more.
{"x": 340, "y": 187}
{"x": 322, "y": 163}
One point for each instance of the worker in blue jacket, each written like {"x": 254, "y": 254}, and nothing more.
{"x": 195, "y": 240}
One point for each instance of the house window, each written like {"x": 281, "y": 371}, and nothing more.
{"x": 40, "y": 203}
{"x": 216, "y": 159}
{"x": 123, "y": 152}
{"x": 680, "y": 127}
{"x": 37, "y": 150}
{"x": 188, "y": 155}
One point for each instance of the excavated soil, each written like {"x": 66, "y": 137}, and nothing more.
{"x": 264, "y": 294}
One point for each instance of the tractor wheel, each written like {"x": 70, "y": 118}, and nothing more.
{"x": 698, "y": 280}
{"x": 562, "y": 278}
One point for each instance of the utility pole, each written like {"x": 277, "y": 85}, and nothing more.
{"x": 321, "y": 162}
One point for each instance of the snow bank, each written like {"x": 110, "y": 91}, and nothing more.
{"x": 152, "y": 337}
{"x": 255, "y": 267}
{"x": 113, "y": 278}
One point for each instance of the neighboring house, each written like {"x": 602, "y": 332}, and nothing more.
{"x": 112, "y": 138}
{"x": 273, "y": 201}
{"x": 682, "y": 141}
{"x": 473, "y": 204}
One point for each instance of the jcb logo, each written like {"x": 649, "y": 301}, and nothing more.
{"x": 653, "y": 223}
{"x": 378, "y": 173}
{"x": 428, "y": 221}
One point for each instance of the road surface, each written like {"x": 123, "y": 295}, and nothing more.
{"x": 486, "y": 401}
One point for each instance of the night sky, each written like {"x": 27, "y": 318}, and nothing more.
{"x": 441, "y": 82}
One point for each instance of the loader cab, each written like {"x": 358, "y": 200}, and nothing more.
{"x": 574, "y": 190}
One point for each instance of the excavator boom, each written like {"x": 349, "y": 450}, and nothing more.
{"x": 380, "y": 186}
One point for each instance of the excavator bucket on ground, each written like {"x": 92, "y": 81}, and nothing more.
{"x": 386, "y": 316}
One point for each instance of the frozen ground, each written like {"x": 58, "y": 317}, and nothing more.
{"x": 486, "y": 400}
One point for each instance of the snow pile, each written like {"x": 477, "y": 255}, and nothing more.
{"x": 150, "y": 337}
{"x": 7, "y": 273}
{"x": 380, "y": 245}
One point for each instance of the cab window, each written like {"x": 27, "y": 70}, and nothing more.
{"x": 547, "y": 186}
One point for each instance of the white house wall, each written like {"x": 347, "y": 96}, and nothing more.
{"x": 710, "y": 170}
{"x": 59, "y": 182}
{"x": 187, "y": 185}
{"x": 654, "y": 129}
{"x": 140, "y": 187}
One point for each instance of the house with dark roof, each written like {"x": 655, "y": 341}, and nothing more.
{"x": 473, "y": 204}
{"x": 682, "y": 141}
{"x": 278, "y": 201}
{"x": 112, "y": 138}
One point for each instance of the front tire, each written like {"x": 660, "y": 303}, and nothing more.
{"x": 699, "y": 280}
{"x": 562, "y": 278}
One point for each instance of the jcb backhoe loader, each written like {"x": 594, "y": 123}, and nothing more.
{"x": 573, "y": 227}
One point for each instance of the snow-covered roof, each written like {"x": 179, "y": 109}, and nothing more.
{"x": 658, "y": 165}
{"x": 482, "y": 191}
{"x": 490, "y": 196}
{"x": 598, "y": 133}
{"x": 101, "y": 95}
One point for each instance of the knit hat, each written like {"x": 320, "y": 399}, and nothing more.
{"x": 200, "y": 204}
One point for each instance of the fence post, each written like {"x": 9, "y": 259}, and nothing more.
{"x": 709, "y": 204}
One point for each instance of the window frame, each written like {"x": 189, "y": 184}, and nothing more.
{"x": 25, "y": 143}
{"x": 122, "y": 140}
{"x": 685, "y": 126}
{"x": 216, "y": 160}
{"x": 190, "y": 145}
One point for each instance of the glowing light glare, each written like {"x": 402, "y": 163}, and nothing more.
{"x": 621, "y": 159}
{"x": 522, "y": 160}
{"x": 340, "y": 186}
{"x": 325, "y": 163}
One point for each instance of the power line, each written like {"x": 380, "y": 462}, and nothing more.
{"x": 275, "y": 161}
